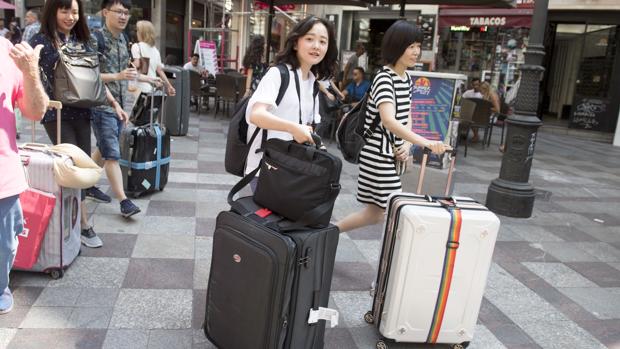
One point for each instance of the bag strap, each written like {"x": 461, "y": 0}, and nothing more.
{"x": 298, "y": 88}
{"x": 447, "y": 271}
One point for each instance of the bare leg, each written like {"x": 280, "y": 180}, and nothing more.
{"x": 96, "y": 156}
{"x": 475, "y": 138}
{"x": 369, "y": 215}
{"x": 115, "y": 176}
{"x": 84, "y": 217}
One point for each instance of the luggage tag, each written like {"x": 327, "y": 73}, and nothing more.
{"x": 263, "y": 212}
{"x": 326, "y": 314}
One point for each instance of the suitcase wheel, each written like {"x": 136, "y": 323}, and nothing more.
{"x": 461, "y": 345}
{"x": 57, "y": 273}
{"x": 369, "y": 318}
{"x": 381, "y": 345}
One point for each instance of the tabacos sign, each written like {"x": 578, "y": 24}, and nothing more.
{"x": 484, "y": 21}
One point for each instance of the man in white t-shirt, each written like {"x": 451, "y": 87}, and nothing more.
{"x": 474, "y": 92}
{"x": 194, "y": 65}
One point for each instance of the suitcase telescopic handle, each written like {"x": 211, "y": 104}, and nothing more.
{"x": 51, "y": 105}
{"x": 161, "y": 107}
{"x": 426, "y": 153}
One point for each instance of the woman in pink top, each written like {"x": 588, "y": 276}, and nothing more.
{"x": 20, "y": 87}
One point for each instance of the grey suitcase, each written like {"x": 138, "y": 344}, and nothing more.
{"x": 177, "y": 107}
{"x": 268, "y": 290}
{"x": 61, "y": 244}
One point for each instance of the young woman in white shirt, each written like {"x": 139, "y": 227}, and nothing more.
{"x": 310, "y": 51}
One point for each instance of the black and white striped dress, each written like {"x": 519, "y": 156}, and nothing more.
{"x": 377, "y": 173}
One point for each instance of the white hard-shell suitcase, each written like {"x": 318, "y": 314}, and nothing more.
{"x": 61, "y": 244}
{"x": 433, "y": 269}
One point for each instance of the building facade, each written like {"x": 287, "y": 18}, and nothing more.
{"x": 582, "y": 84}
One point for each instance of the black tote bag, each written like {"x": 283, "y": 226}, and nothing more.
{"x": 299, "y": 182}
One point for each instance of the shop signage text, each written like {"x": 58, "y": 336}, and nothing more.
{"x": 482, "y": 21}
{"x": 464, "y": 28}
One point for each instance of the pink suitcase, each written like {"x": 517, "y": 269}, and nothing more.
{"x": 61, "y": 244}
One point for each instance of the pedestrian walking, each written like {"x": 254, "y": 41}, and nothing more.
{"x": 147, "y": 59}
{"x": 310, "y": 51}
{"x": 33, "y": 26}
{"x": 390, "y": 100}
{"x": 354, "y": 61}
{"x": 64, "y": 27}
{"x": 15, "y": 32}
{"x": 108, "y": 121}
{"x": 254, "y": 64}
{"x": 22, "y": 88}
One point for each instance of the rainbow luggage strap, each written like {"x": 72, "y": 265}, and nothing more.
{"x": 446, "y": 278}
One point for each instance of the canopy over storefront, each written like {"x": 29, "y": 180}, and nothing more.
{"x": 491, "y": 17}
{"x": 6, "y": 6}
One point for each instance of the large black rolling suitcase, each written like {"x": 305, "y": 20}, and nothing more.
{"x": 268, "y": 289}
{"x": 145, "y": 155}
{"x": 177, "y": 107}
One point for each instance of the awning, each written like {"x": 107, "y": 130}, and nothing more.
{"x": 490, "y": 3}
{"x": 486, "y": 17}
{"x": 6, "y": 6}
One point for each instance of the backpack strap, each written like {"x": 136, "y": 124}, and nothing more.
{"x": 285, "y": 78}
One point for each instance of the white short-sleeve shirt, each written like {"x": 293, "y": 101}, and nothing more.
{"x": 142, "y": 49}
{"x": 267, "y": 93}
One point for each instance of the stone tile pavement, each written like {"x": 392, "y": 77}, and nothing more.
{"x": 554, "y": 283}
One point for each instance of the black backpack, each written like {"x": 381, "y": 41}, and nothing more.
{"x": 237, "y": 144}
{"x": 352, "y": 134}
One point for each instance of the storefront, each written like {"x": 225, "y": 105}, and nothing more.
{"x": 486, "y": 43}
{"x": 582, "y": 85}
{"x": 368, "y": 25}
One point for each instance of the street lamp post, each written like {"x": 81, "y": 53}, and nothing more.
{"x": 511, "y": 194}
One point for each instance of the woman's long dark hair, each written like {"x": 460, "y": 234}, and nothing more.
{"x": 326, "y": 68}
{"x": 49, "y": 24}
{"x": 256, "y": 51}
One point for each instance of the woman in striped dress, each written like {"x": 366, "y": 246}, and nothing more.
{"x": 390, "y": 99}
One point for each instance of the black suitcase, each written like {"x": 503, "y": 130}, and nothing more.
{"x": 264, "y": 284}
{"x": 145, "y": 157}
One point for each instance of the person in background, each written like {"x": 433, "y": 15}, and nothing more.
{"x": 145, "y": 47}
{"x": 254, "y": 63}
{"x": 109, "y": 120}
{"x": 194, "y": 64}
{"x": 33, "y": 26}
{"x": 488, "y": 93}
{"x": 15, "y": 32}
{"x": 21, "y": 87}
{"x": 3, "y": 29}
{"x": 356, "y": 90}
{"x": 473, "y": 92}
{"x": 353, "y": 62}
{"x": 389, "y": 100}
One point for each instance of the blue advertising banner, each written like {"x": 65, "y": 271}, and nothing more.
{"x": 431, "y": 110}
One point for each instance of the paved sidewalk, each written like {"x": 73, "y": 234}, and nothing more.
{"x": 554, "y": 283}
